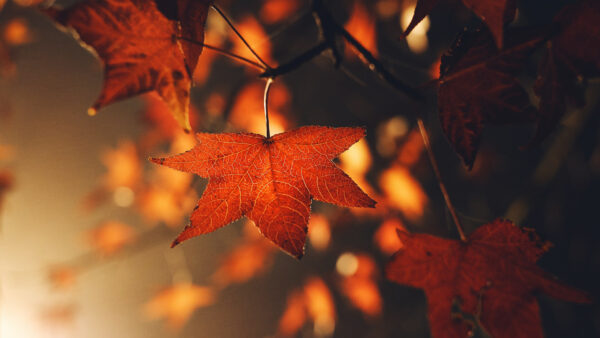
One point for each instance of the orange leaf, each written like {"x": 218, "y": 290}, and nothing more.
{"x": 270, "y": 180}
{"x": 136, "y": 44}
{"x": 493, "y": 276}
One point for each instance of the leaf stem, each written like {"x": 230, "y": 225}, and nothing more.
{"x": 266, "y": 104}
{"x": 239, "y": 35}
{"x": 226, "y": 53}
{"x": 438, "y": 176}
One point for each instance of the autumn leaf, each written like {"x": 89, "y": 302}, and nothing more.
{"x": 269, "y": 180}
{"x": 495, "y": 13}
{"x": 177, "y": 303}
{"x": 191, "y": 15}
{"x": 138, "y": 48}
{"x": 493, "y": 276}
{"x": 478, "y": 86}
{"x": 571, "y": 55}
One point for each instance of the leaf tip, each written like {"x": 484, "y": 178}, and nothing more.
{"x": 175, "y": 243}
{"x": 157, "y": 160}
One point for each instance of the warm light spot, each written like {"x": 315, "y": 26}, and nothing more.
{"x": 274, "y": 11}
{"x": 386, "y": 237}
{"x": 403, "y": 192}
{"x": 245, "y": 262}
{"x": 215, "y": 104}
{"x": 362, "y": 26}
{"x": 364, "y": 294}
{"x": 256, "y": 37}
{"x": 387, "y": 8}
{"x": 319, "y": 231}
{"x": 248, "y": 112}
{"x": 294, "y": 315}
{"x": 417, "y": 39}
{"x": 161, "y": 204}
{"x": 347, "y": 264}
{"x": 357, "y": 160}
{"x": 123, "y": 166}
{"x": 92, "y": 111}
{"x": 389, "y": 133}
{"x": 177, "y": 303}
{"x": 7, "y": 153}
{"x": 62, "y": 277}
{"x": 16, "y": 32}
{"x": 319, "y": 303}
{"x": 324, "y": 326}
{"x": 412, "y": 148}
{"x": 110, "y": 237}
{"x": 123, "y": 197}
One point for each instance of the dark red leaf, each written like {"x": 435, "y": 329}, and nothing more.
{"x": 478, "y": 86}
{"x": 493, "y": 277}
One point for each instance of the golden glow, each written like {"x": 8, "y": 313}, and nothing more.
{"x": 403, "y": 192}
{"x": 319, "y": 231}
{"x": 347, "y": 264}
{"x": 417, "y": 39}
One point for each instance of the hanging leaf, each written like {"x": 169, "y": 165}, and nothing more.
{"x": 269, "y": 180}
{"x": 138, "y": 47}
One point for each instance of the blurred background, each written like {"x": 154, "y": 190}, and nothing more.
{"x": 86, "y": 221}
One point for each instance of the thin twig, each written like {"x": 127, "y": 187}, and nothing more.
{"x": 297, "y": 61}
{"x": 376, "y": 66}
{"x": 239, "y": 35}
{"x": 266, "y": 104}
{"x": 438, "y": 176}
{"x": 226, "y": 53}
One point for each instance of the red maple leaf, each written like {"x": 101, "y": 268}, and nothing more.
{"x": 139, "y": 48}
{"x": 573, "y": 54}
{"x": 495, "y": 13}
{"x": 478, "y": 85}
{"x": 493, "y": 276}
{"x": 269, "y": 180}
